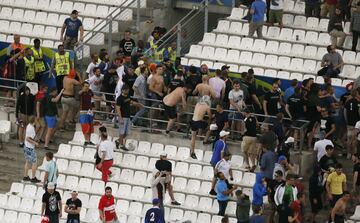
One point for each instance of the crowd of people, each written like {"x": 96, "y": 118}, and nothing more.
{"x": 216, "y": 107}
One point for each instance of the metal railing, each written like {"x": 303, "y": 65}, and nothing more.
{"x": 197, "y": 17}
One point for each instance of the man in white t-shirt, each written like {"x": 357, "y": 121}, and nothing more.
{"x": 224, "y": 167}
{"x": 237, "y": 104}
{"x": 276, "y": 12}
{"x": 357, "y": 128}
{"x": 106, "y": 154}
{"x": 29, "y": 151}
{"x": 319, "y": 148}
{"x": 218, "y": 85}
{"x": 95, "y": 85}
{"x": 91, "y": 66}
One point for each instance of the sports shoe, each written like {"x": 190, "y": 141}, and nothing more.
{"x": 124, "y": 148}
{"x": 35, "y": 180}
{"x": 27, "y": 178}
{"x": 212, "y": 192}
{"x": 91, "y": 143}
{"x": 193, "y": 155}
{"x": 21, "y": 144}
{"x": 46, "y": 148}
{"x": 175, "y": 203}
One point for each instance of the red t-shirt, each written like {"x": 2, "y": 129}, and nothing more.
{"x": 296, "y": 207}
{"x": 85, "y": 100}
{"x": 107, "y": 205}
{"x": 331, "y": 2}
{"x": 40, "y": 95}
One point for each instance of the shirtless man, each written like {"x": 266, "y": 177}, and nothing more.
{"x": 171, "y": 100}
{"x": 68, "y": 101}
{"x": 338, "y": 212}
{"x": 204, "y": 88}
{"x": 197, "y": 123}
{"x": 157, "y": 88}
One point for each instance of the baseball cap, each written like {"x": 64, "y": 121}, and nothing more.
{"x": 156, "y": 201}
{"x": 74, "y": 12}
{"x": 290, "y": 140}
{"x": 281, "y": 158}
{"x": 224, "y": 67}
{"x": 224, "y": 133}
{"x": 51, "y": 185}
{"x": 163, "y": 154}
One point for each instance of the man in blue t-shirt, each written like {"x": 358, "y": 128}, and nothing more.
{"x": 72, "y": 26}
{"x": 220, "y": 148}
{"x": 154, "y": 214}
{"x": 257, "y": 10}
{"x": 223, "y": 191}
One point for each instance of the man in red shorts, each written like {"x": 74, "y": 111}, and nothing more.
{"x": 86, "y": 114}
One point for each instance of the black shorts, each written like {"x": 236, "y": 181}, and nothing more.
{"x": 335, "y": 199}
{"x": 109, "y": 99}
{"x": 339, "y": 218}
{"x": 170, "y": 112}
{"x": 196, "y": 125}
{"x": 316, "y": 207}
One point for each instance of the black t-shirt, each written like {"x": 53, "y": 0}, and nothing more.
{"x": 326, "y": 162}
{"x": 51, "y": 201}
{"x": 221, "y": 119}
{"x": 73, "y": 205}
{"x": 296, "y": 106}
{"x": 250, "y": 124}
{"x": 285, "y": 213}
{"x": 312, "y": 112}
{"x": 175, "y": 83}
{"x": 193, "y": 80}
{"x": 228, "y": 88}
{"x": 272, "y": 98}
{"x": 352, "y": 111}
{"x": 129, "y": 80}
{"x": 357, "y": 169}
{"x": 25, "y": 104}
{"x": 273, "y": 185}
{"x": 109, "y": 83}
{"x": 327, "y": 123}
{"x": 20, "y": 69}
{"x": 127, "y": 46}
{"x": 163, "y": 165}
{"x": 124, "y": 103}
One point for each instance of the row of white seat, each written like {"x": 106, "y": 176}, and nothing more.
{"x": 270, "y": 47}
{"x": 66, "y": 7}
{"x": 293, "y": 21}
{"x": 50, "y": 19}
{"x": 266, "y": 61}
{"x": 44, "y": 32}
{"x": 290, "y": 6}
{"x": 113, "y": 2}
{"x": 147, "y": 150}
{"x": 284, "y": 34}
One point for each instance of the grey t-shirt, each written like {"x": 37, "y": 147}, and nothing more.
{"x": 141, "y": 84}
{"x": 332, "y": 58}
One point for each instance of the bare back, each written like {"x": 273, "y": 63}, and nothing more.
{"x": 175, "y": 97}
{"x": 69, "y": 84}
{"x": 205, "y": 89}
{"x": 200, "y": 110}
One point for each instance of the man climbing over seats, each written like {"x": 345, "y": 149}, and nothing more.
{"x": 171, "y": 100}
{"x": 198, "y": 123}
{"x": 165, "y": 167}
{"x": 72, "y": 25}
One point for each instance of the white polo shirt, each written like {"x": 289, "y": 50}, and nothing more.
{"x": 108, "y": 147}
{"x": 319, "y": 147}
{"x": 224, "y": 167}
{"x": 30, "y": 132}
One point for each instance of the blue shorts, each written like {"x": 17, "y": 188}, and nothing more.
{"x": 235, "y": 115}
{"x": 124, "y": 128}
{"x": 86, "y": 121}
{"x": 30, "y": 155}
{"x": 50, "y": 121}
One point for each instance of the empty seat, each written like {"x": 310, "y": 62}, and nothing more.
{"x": 223, "y": 26}
{"x": 128, "y": 160}
{"x": 311, "y": 37}
{"x": 273, "y": 32}
{"x": 102, "y": 11}
{"x": 285, "y": 34}
{"x": 246, "y": 43}
{"x": 17, "y": 188}
{"x": 298, "y": 35}
{"x": 323, "y": 39}
{"x": 271, "y": 61}
{"x": 237, "y": 13}
{"x": 11, "y": 216}
{"x": 299, "y": 21}
{"x": 183, "y": 153}
{"x": 13, "y": 202}
{"x": 235, "y": 28}
{"x": 170, "y": 150}
{"x": 90, "y": 9}
{"x": 195, "y": 51}
{"x": 140, "y": 178}
{"x": 127, "y": 175}
{"x": 181, "y": 169}
{"x": 310, "y": 52}
{"x": 190, "y": 216}
{"x": 122, "y": 206}
{"x": 73, "y": 167}
{"x": 79, "y": 6}
{"x": 191, "y": 201}
{"x": 349, "y": 56}
{"x": 221, "y": 40}
{"x": 220, "y": 54}
{"x": 208, "y": 39}
{"x": 84, "y": 185}
{"x": 26, "y": 204}
{"x": 135, "y": 208}
{"x": 288, "y": 19}
{"x": 348, "y": 72}
{"x": 245, "y": 29}
{"x": 312, "y": 23}
{"x": 18, "y": 14}
{"x": 258, "y": 59}
{"x": 6, "y": 12}
{"x": 259, "y": 45}
{"x": 248, "y": 179}
{"x": 71, "y": 182}
{"x": 296, "y": 76}
{"x": 207, "y": 52}
{"x": 309, "y": 66}
{"x": 141, "y": 162}
{"x": 272, "y": 47}
{"x": 296, "y": 64}
{"x": 180, "y": 184}
{"x": 245, "y": 57}
{"x": 3, "y": 200}
{"x": 193, "y": 186}
{"x": 156, "y": 149}
{"x": 38, "y": 30}
{"x": 283, "y": 75}
{"x": 284, "y": 49}
{"x": 194, "y": 170}
{"x": 205, "y": 203}
{"x": 207, "y": 173}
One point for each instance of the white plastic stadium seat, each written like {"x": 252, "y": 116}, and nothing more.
{"x": 259, "y": 45}
{"x": 299, "y": 21}
{"x": 223, "y": 26}
{"x": 63, "y": 151}
{"x": 286, "y": 34}
{"x": 311, "y": 37}
{"x": 288, "y": 19}
{"x": 207, "y": 52}
{"x": 272, "y": 47}
{"x": 181, "y": 169}
{"x": 296, "y": 76}
{"x": 236, "y": 13}
{"x": 235, "y": 28}
{"x": 17, "y": 188}
{"x": 220, "y": 54}
{"x": 310, "y": 52}
{"x": 246, "y": 43}
{"x": 10, "y": 216}
{"x": 208, "y": 39}
{"x": 283, "y": 62}
{"x": 271, "y": 61}
{"x": 284, "y": 49}
{"x": 245, "y": 57}
{"x": 190, "y": 216}
{"x": 203, "y": 217}
{"x": 312, "y": 23}
{"x": 221, "y": 40}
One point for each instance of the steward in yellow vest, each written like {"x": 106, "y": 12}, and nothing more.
{"x": 29, "y": 65}
{"x": 38, "y": 55}
{"x": 62, "y": 65}
{"x": 171, "y": 53}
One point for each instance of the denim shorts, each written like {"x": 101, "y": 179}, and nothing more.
{"x": 124, "y": 128}
{"x": 30, "y": 155}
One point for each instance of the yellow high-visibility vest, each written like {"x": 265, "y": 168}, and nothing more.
{"x": 172, "y": 54}
{"x": 39, "y": 62}
{"x": 159, "y": 55}
{"x": 30, "y": 68}
{"x": 62, "y": 66}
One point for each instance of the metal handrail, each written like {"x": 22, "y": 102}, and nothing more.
{"x": 186, "y": 18}
{"x": 108, "y": 18}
